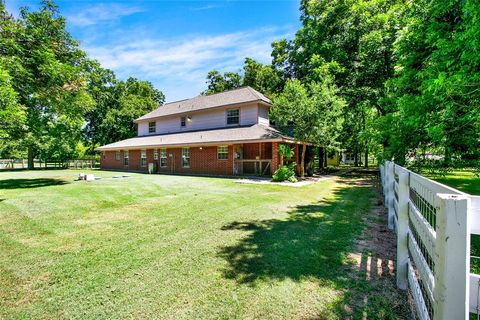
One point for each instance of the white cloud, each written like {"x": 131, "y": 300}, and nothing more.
{"x": 179, "y": 66}
{"x": 205, "y": 7}
{"x": 102, "y": 12}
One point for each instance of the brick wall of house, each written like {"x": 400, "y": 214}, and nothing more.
{"x": 275, "y": 157}
{"x": 134, "y": 164}
{"x": 202, "y": 161}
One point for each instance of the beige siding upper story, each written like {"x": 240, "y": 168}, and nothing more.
{"x": 206, "y": 119}
{"x": 263, "y": 115}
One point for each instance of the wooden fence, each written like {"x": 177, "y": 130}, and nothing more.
{"x": 9, "y": 164}
{"x": 433, "y": 223}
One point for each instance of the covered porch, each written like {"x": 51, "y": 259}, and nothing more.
{"x": 263, "y": 159}
{"x": 255, "y": 158}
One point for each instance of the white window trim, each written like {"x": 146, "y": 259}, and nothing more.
{"x": 163, "y": 157}
{"x": 226, "y": 147}
{"x": 126, "y": 157}
{"x": 143, "y": 158}
{"x": 155, "y": 154}
{"x": 226, "y": 117}
{"x": 154, "y": 127}
{"x": 188, "y": 149}
{"x": 117, "y": 156}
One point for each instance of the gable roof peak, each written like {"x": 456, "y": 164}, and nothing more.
{"x": 229, "y": 97}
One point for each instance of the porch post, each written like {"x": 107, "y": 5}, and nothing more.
{"x": 275, "y": 157}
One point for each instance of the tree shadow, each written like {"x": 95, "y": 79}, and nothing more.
{"x": 313, "y": 241}
{"x": 316, "y": 242}
{"x": 30, "y": 183}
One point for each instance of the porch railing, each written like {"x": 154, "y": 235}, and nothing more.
{"x": 253, "y": 166}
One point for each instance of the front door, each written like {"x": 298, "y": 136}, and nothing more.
{"x": 171, "y": 162}
{"x": 238, "y": 159}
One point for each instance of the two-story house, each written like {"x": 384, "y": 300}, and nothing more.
{"x": 226, "y": 133}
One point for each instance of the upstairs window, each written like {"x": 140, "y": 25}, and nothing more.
{"x": 186, "y": 157}
{"x": 163, "y": 157}
{"x": 233, "y": 116}
{"x": 125, "y": 158}
{"x": 152, "y": 127}
{"x": 143, "y": 158}
{"x": 183, "y": 121}
{"x": 222, "y": 152}
{"x": 117, "y": 155}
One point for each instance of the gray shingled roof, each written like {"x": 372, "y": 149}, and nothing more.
{"x": 252, "y": 133}
{"x": 225, "y": 98}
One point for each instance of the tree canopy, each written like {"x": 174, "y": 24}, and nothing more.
{"x": 53, "y": 97}
{"x": 392, "y": 78}
{"x": 407, "y": 71}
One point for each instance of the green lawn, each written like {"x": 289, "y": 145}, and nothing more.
{"x": 157, "y": 246}
{"x": 466, "y": 181}
{"x": 463, "y": 180}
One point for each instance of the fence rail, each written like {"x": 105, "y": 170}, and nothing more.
{"x": 433, "y": 223}
{"x": 11, "y": 164}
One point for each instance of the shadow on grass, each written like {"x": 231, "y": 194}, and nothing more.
{"x": 30, "y": 183}
{"x": 313, "y": 242}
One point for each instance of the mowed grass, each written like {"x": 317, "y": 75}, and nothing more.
{"x": 466, "y": 181}
{"x": 463, "y": 180}
{"x": 174, "y": 247}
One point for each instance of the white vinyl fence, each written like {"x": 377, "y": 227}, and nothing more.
{"x": 433, "y": 224}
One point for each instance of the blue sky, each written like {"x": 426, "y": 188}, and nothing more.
{"x": 174, "y": 44}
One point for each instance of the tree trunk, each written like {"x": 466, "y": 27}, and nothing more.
{"x": 302, "y": 160}
{"x": 320, "y": 158}
{"x": 447, "y": 157}
{"x": 325, "y": 159}
{"x": 30, "y": 158}
{"x": 281, "y": 161}
{"x": 356, "y": 156}
{"x": 366, "y": 156}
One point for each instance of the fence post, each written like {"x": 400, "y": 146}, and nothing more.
{"x": 452, "y": 257}
{"x": 390, "y": 192}
{"x": 382, "y": 175}
{"x": 402, "y": 230}
{"x": 385, "y": 182}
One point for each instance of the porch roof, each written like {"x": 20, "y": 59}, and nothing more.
{"x": 248, "y": 134}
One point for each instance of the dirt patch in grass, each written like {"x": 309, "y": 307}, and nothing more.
{"x": 376, "y": 295}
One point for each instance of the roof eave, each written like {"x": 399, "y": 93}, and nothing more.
{"x": 178, "y": 145}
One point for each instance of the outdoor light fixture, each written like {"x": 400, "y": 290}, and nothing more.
{"x": 201, "y": 148}
{"x": 189, "y": 118}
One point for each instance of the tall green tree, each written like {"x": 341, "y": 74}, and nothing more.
{"x": 131, "y": 99}
{"x": 311, "y": 114}
{"x": 264, "y": 78}
{"x": 437, "y": 89}
{"x": 216, "y": 82}
{"x": 354, "y": 40}
{"x": 12, "y": 114}
{"x": 47, "y": 65}
{"x": 293, "y": 109}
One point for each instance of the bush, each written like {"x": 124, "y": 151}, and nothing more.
{"x": 285, "y": 173}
